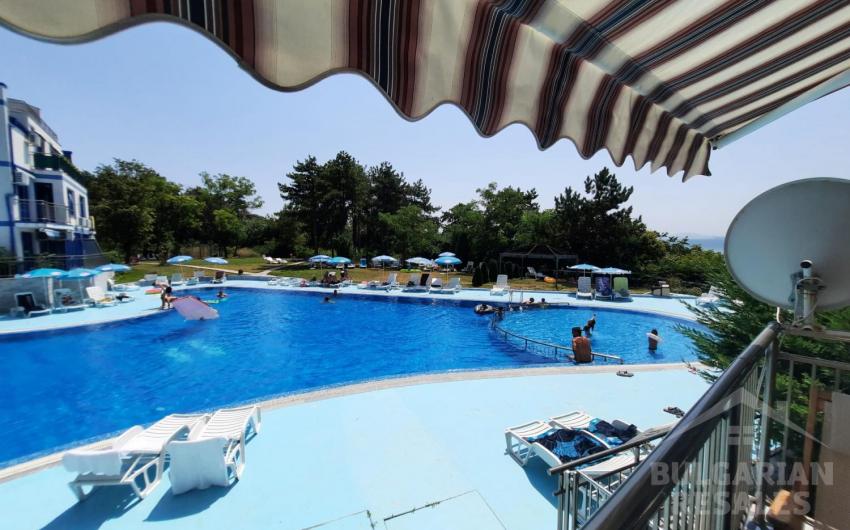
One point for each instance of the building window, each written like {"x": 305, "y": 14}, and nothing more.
{"x": 71, "y": 202}
{"x": 83, "y": 206}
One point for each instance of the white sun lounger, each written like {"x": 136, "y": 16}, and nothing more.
{"x": 584, "y": 289}
{"x": 453, "y": 286}
{"x": 98, "y": 297}
{"x": 177, "y": 279}
{"x": 436, "y": 285}
{"x": 65, "y": 300}
{"x": 501, "y": 286}
{"x": 709, "y": 298}
{"x": 412, "y": 282}
{"x": 392, "y": 281}
{"x": 26, "y": 302}
{"x": 135, "y": 459}
{"x": 214, "y": 453}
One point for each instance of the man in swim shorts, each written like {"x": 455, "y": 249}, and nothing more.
{"x": 581, "y": 347}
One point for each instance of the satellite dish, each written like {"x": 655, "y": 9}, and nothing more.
{"x": 797, "y": 230}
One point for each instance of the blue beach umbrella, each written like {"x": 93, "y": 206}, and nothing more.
{"x": 584, "y": 267}
{"x": 179, "y": 259}
{"x": 446, "y": 254}
{"x": 217, "y": 261}
{"x": 80, "y": 274}
{"x": 319, "y": 258}
{"x": 384, "y": 259}
{"x": 45, "y": 273}
{"x": 339, "y": 260}
{"x": 447, "y": 261}
{"x": 613, "y": 271}
{"x": 113, "y": 267}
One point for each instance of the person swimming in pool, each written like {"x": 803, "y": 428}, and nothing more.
{"x": 221, "y": 294}
{"x": 592, "y": 322}
{"x": 328, "y": 300}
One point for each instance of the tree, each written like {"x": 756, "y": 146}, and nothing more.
{"x": 224, "y": 193}
{"x": 411, "y": 231}
{"x": 463, "y": 225}
{"x": 228, "y": 229}
{"x": 139, "y": 209}
{"x": 344, "y": 200}
{"x": 600, "y": 228}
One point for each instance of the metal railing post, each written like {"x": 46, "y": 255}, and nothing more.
{"x": 764, "y": 424}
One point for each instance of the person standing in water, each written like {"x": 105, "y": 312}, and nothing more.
{"x": 654, "y": 339}
{"x": 592, "y": 322}
{"x": 581, "y": 347}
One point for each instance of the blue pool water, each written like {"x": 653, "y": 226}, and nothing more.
{"x": 620, "y": 333}
{"x": 66, "y": 386}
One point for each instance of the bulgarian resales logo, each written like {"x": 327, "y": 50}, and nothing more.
{"x": 723, "y": 486}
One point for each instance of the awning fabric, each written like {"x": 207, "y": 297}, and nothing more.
{"x": 654, "y": 80}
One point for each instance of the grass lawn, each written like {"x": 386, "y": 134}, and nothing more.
{"x": 303, "y": 270}
{"x": 152, "y": 267}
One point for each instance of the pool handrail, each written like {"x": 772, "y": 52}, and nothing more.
{"x": 556, "y": 347}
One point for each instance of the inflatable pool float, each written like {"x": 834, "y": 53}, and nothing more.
{"x": 193, "y": 309}
{"x": 153, "y": 291}
{"x": 549, "y": 279}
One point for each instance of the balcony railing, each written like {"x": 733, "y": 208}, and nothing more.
{"x": 26, "y": 211}
{"x": 57, "y": 163}
{"x": 727, "y": 459}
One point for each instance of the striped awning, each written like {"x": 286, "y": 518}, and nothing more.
{"x": 660, "y": 81}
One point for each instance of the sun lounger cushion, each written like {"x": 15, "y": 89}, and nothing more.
{"x": 568, "y": 444}
{"x": 197, "y": 464}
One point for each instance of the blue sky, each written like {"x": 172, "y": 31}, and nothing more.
{"x": 168, "y": 97}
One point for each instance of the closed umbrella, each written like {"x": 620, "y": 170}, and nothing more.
{"x": 217, "y": 261}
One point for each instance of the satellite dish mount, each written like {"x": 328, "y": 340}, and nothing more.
{"x": 798, "y": 230}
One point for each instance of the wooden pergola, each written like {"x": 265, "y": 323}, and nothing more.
{"x": 536, "y": 253}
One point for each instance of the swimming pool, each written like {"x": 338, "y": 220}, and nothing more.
{"x": 620, "y": 333}
{"x": 62, "y": 387}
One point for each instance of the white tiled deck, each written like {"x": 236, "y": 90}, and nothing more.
{"x": 145, "y": 305}
{"x": 371, "y": 458}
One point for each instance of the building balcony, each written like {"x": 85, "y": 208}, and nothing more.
{"x": 57, "y": 163}
{"x": 43, "y": 212}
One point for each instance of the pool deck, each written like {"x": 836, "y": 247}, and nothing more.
{"x": 426, "y": 452}
{"x": 148, "y": 305}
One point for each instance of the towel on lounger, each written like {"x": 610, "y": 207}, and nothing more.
{"x": 570, "y": 444}
{"x": 92, "y": 461}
